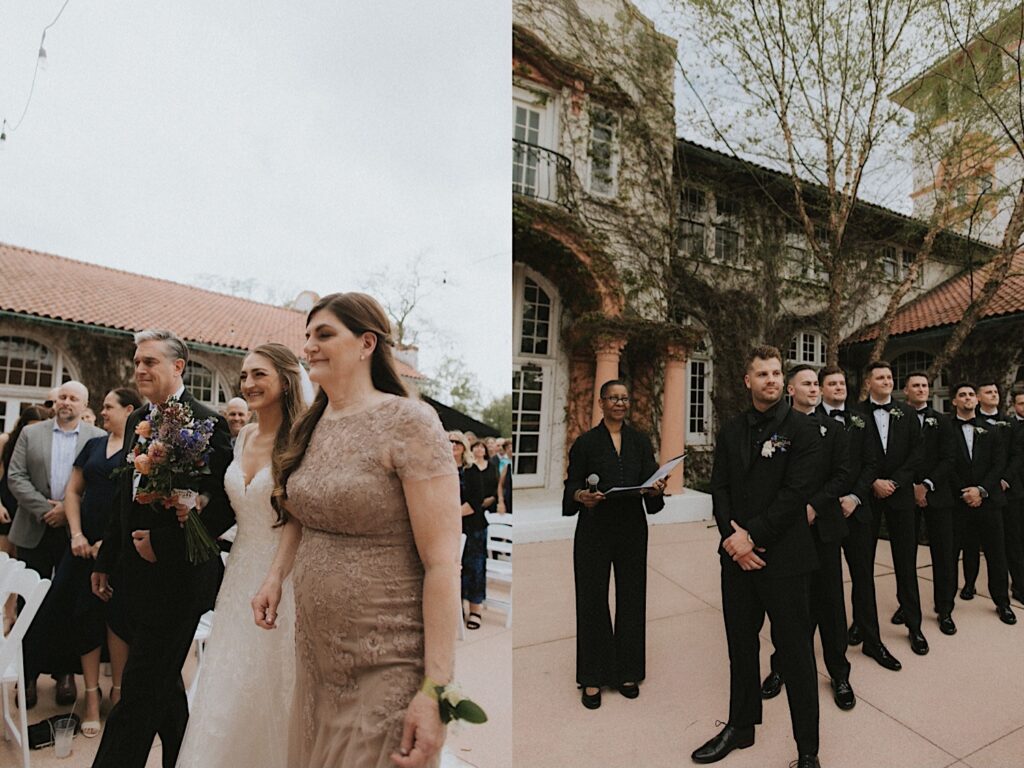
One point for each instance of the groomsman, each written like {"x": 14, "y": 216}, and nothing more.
{"x": 1014, "y": 515}
{"x": 898, "y": 434}
{"x": 859, "y": 544}
{"x": 978, "y": 468}
{"x": 828, "y": 527}
{"x": 934, "y": 498}
{"x": 763, "y": 474}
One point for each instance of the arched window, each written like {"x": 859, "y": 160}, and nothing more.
{"x": 205, "y": 384}
{"x": 28, "y": 370}
{"x": 807, "y": 347}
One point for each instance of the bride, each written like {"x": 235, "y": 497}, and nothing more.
{"x": 248, "y": 674}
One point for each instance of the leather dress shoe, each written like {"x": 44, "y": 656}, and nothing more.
{"x": 1006, "y": 614}
{"x": 897, "y": 618}
{"x": 725, "y": 742}
{"x": 853, "y": 636}
{"x": 591, "y": 701}
{"x": 883, "y": 657}
{"x": 629, "y": 690}
{"x": 67, "y": 691}
{"x": 772, "y": 685}
{"x": 946, "y": 625}
{"x": 842, "y": 694}
{"x": 918, "y": 644}
{"x": 967, "y": 593}
{"x": 806, "y": 761}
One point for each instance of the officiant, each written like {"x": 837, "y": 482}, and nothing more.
{"x": 611, "y": 532}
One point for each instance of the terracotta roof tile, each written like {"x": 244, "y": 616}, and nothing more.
{"x": 45, "y": 285}
{"x": 946, "y": 303}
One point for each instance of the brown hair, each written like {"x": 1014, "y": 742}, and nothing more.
{"x": 32, "y": 413}
{"x": 830, "y": 370}
{"x": 762, "y": 352}
{"x": 361, "y": 314}
{"x": 127, "y": 396}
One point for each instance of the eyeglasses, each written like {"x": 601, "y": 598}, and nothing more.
{"x": 624, "y": 399}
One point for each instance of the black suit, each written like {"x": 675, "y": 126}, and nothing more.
{"x": 767, "y": 495}
{"x": 828, "y": 606}
{"x": 938, "y": 455}
{"x": 611, "y": 535}
{"x": 164, "y": 600}
{"x": 983, "y": 467}
{"x": 1013, "y": 512}
{"x": 899, "y": 460}
{"x": 971, "y": 542}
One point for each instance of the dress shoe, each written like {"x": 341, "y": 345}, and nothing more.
{"x": 853, "y": 636}
{"x": 30, "y": 694}
{"x": 946, "y": 625}
{"x": 806, "y": 761}
{"x": 883, "y": 657}
{"x": 67, "y": 691}
{"x": 918, "y": 644}
{"x": 897, "y": 618}
{"x": 725, "y": 742}
{"x": 842, "y": 694}
{"x": 629, "y": 690}
{"x": 967, "y": 593}
{"x": 591, "y": 701}
{"x": 1006, "y": 614}
{"x": 772, "y": 685}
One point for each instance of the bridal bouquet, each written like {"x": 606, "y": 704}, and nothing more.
{"x": 172, "y": 452}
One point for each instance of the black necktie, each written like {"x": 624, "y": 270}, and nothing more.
{"x": 883, "y": 406}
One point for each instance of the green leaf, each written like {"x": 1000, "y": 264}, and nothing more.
{"x": 470, "y": 711}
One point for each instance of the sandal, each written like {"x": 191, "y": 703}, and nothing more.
{"x": 91, "y": 728}
{"x": 472, "y": 623}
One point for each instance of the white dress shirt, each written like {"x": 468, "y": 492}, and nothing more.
{"x": 882, "y": 421}
{"x": 968, "y": 429}
{"x": 62, "y": 459}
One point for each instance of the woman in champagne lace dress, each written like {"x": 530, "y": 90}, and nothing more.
{"x": 370, "y": 495}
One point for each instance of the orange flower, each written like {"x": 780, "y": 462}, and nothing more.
{"x": 143, "y": 464}
{"x": 157, "y": 452}
{"x": 144, "y": 429}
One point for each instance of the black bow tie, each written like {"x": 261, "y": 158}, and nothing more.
{"x": 965, "y": 421}
{"x": 836, "y": 413}
{"x": 922, "y": 411}
{"x": 883, "y": 406}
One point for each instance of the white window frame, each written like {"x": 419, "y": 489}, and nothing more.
{"x": 820, "y": 353}
{"x": 613, "y": 151}
{"x": 544, "y": 102}
{"x": 732, "y": 222}
{"x": 705, "y": 437}
{"x": 220, "y": 386}
{"x": 693, "y": 218}
{"x": 13, "y": 396}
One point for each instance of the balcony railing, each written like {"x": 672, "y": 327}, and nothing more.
{"x": 540, "y": 173}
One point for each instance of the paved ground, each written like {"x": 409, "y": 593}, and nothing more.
{"x": 961, "y": 705}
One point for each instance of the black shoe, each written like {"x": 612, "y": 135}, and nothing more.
{"x": 883, "y": 657}
{"x": 897, "y": 618}
{"x": 67, "y": 691}
{"x": 1006, "y": 614}
{"x": 30, "y": 694}
{"x": 967, "y": 593}
{"x": 842, "y": 694}
{"x": 946, "y": 625}
{"x": 629, "y": 690}
{"x": 772, "y": 685}
{"x": 591, "y": 701}
{"x": 806, "y": 761}
{"x": 853, "y": 636}
{"x": 918, "y": 644}
{"x": 725, "y": 742}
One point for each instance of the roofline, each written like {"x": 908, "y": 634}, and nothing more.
{"x": 936, "y": 330}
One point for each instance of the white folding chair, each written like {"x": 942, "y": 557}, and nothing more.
{"x": 499, "y": 560}
{"x": 32, "y": 589}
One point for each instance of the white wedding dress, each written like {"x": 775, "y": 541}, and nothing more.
{"x": 240, "y": 713}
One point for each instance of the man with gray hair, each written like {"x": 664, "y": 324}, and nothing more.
{"x": 144, "y": 557}
{"x": 39, "y": 472}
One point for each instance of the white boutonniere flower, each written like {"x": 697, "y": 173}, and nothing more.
{"x": 856, "y": 421}
{"x": 980, "y": 430}
{"x": 773, "y": 443}
{"x": 823, "y": 429}
{"x": 896, "y": 413}
{"x": 931, "y": 421}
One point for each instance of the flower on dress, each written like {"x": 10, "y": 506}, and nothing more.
{"x": 774, "y": 442}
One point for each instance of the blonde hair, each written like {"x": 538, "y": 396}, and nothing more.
{"x": 467, "y": 454}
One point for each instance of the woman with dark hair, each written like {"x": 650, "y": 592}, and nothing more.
{"x": 368, "y": 495}
{"x": 482, "y": 494}
{"x": 236, "y": 714}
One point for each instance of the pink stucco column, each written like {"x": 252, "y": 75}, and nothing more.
{"x": 673, "y": 415}
{"x": 608, "y": 351}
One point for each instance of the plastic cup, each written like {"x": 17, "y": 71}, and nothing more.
{"x": 63, "y": 733}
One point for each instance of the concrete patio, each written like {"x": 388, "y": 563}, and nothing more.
{"x": 961, "y": 705}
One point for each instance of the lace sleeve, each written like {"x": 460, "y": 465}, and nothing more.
{"x": 419, "y": 446}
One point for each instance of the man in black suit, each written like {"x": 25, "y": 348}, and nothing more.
{"x": 977, "y": 471}
{"x": 933, "y": 497}
{"x": 144, "y": 554}
{"x": 859, "y": 544}
{"x": 1013, "y": 517}
{"x": 898, "y": 434}
{"x": 828, "y": 527}
{"x": 763, "y": 475}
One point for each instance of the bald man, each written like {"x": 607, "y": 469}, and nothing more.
{"x": 39, "y": 471}
{"x": 237, "y": 414}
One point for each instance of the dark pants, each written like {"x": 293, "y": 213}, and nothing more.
{"x": 983, "y": 526}
{"x": 474, "y": 567}
{"x": 746, "y": 597}
{"x": 41, "y": 652}
{"x": 607, "y": 656}
{"x": 152, "y": 694}
{"x": 859, "y": 548}
{"x": 903, "y": 545}
{"x": 939, "y": 522}
{"x": 1013, "y": 527}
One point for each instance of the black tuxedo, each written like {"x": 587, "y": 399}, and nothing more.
{"x": 938, "y": 454}
{"x": 899, "y": 460}
{"x": 611, "y": 535}
{"x": 1013, "y": 512}
{"x": 767, "y": 495}
{"x": 164, "y": 600}
{"x": 983, "y": 467}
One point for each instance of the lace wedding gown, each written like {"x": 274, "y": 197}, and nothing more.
{"x": 240, "y": 713}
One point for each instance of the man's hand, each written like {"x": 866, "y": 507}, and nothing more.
{"x": 55, "y": 518}
{"x": 883, "y": 489}
{"x": 5, "y": 516}
{"x": 588, "y": 499}
{"x": 750, "y": 562}
{"x": 811, "y": 515}
{"x": 921, "y": 494}
{"x": 739, "y": 544}
{"x": 100, "y": 586}
{"x": 488, "y": 501}
{"x": 144, "y": 546}
{"x": 971, "y": 496}
{"x": 849, "y": 505}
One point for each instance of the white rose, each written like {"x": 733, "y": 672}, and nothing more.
{"x": 767, "y": 449}
{"x": 453, "y": 695}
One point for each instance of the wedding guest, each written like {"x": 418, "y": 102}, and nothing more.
{"x": 463, "y": 460}
{"x": 611, "y": 533}
{"x": 762, "y": 476}
{"x": 89, "y": 504}
{"x": 481, "y": 480}
{"x": 505, "y": 478}
{"x": 89, "y": 416}
{"x": 368, "y": 494}
{"x": 1014, "y": 514}
{"x": 237, "y": 414}
{"x": 38, "y": 475}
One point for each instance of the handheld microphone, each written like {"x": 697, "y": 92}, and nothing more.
{"x": 592, "y": 482}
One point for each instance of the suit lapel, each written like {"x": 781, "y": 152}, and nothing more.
{"x": 46, "y": 445}
{"x": 961, "y": 440}
{"x": 746, "y": 449}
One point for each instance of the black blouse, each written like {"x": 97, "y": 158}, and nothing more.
{"x": 479, "y": 483}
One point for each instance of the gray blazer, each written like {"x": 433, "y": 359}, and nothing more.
{"x": 29, "y": 479}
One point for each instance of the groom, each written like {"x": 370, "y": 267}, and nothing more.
{"x": 143, "y": 554}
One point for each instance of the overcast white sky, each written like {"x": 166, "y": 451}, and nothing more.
{"x": 302, "y": 144}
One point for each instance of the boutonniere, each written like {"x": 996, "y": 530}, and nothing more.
{"x": 856, "y": 421}
{"x": 773, "y": 443}
{"x": 979, "y": 430}
{"x": 823, "y": 429}
{"x": 896, "y": 413}
{"x": 931, "y": 421}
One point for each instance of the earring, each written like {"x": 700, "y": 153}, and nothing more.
{"x": 362, "y": 357}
